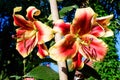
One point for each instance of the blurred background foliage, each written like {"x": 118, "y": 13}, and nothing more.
{"x": 13, "y": 66}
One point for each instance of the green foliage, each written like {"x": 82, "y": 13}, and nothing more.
{"x": 42, "y": 73}
{"x": 64, "y": 11}
{"x": 67, "y": 9}
{"x": 109, "y": 68}
{"x": 98, "y": 8}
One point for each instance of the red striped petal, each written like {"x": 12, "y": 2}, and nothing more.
{"x": 61, "y": 27}
{"x": 24, "y": 34}
{"x": 42, "y": 51}
{"x": 82, "y": 22}
{"x": 20, "y": 21}
{"x": 26, "y": 46}
{"x": 104, "y": 22}
{"x": 97, "y": 31}
{"x": 63, "y": 49}
{"x": 20, "y": 33}
{"x": 93, "y": 48}
{"x": 32, "y": 11}
{"x": 75, "y": 63}
{"x": 44, "y": 32}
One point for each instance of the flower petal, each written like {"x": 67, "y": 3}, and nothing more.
{"x": 32, "y": 11}
{"x": 93, "y": 48}
{"x": 44, "y": 32}
{"x": 108, "y": 33}
{"x": 42, "y": 51}
{"x": 24, "y": 34}
{"x": 75, "y": 63}
{"x": 97, "y": 31}
{"x": 17, "y": 9}
{"x": 104, "y": 22}
{"x": 26, "y": 46}
{"x": 20, "y": 21}
{"x": 64, "y": 49}
{"x": 61, "y": 27}
{"x": 82, "y": 22}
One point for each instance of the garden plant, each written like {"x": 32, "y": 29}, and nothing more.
{"x": 77, "y": 46}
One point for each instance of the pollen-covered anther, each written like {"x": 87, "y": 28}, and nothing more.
{"x": 83, "y": 43}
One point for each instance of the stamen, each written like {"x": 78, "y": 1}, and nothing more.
{"x": 84, "y": 50}
{"x": 89, "y": 52}
{"x": 94, "y": 53}
{"x": 90, "y": 40}
{"x": 86, "y": 60}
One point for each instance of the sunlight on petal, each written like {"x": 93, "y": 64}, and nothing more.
{"x": 63, "y": 49}
{"x": 108, "y": 33}
{"x": 24, "y": 34}
{"x": 45, "y": 33}
{"x": 17, "y": 9}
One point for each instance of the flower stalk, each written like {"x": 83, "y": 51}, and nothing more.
{"x": 55, "y": 16}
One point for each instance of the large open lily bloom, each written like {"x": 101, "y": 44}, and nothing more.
{"x": 82, "y": 40}
{"x": 31, "y": 32}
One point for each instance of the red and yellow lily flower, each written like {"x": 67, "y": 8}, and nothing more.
{"x": 31, "y": 32}
{"x": 61, "y": 27}
{"x": 82, "y": 38}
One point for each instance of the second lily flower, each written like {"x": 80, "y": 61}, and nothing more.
{"x": 81, "y": 38}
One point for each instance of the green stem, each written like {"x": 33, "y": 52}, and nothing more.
{"x": 24, "y": 63}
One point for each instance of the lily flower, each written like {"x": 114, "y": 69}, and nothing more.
{"x": 31, "y": 32}
{"x": 83, "y": 39}
{"x": 61, "y": 27}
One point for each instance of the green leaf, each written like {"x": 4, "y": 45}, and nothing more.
{"x": 65, "y": 10}
{"x": 43, "y": 72}
{"x": 16, "y": 77}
